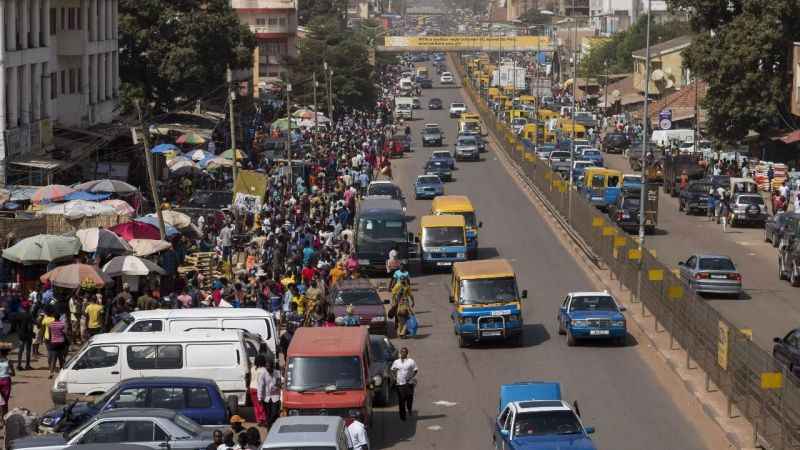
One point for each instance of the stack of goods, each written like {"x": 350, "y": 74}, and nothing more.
{"x": 205, "y": 264}
{"x": 780, "y": 175}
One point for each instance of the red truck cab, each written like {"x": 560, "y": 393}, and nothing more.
{"x": 327, "y": 374}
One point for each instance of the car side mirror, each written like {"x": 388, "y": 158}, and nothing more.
{"x": 504, "y": 433}
{"x": 524, "y": 293}
{"x": 589, "y": 430}
{"x": 777, "y": 340}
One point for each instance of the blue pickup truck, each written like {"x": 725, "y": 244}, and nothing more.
{"x": 532, "y": 416}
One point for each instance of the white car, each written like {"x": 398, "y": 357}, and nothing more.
{"x": 456, "y": 109}
{"x": 446, "y": 78}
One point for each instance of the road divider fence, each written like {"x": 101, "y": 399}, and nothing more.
{"x": 755, "y": 385}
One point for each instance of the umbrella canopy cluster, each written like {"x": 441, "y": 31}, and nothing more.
{"x": 102, "y": 240}
{"x": 78, "y": 209}
{"x": 51, "y": 193}
{"x": 106, "y": 186}
{"x": 42, "y": 249}
{"x": 131, "y": 266}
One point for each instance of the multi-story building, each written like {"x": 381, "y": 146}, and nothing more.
{"x": 667, "y": 72}
{"x": 59, "y": 67}
{"x": 574, "y": 8}
{"x": 614, "y": 16}
{"x": 274, "y": 22}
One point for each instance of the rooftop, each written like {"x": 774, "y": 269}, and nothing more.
{"x": 486, "y": 268}
{"x": 666, "y": 47}
{"x": 335, "y": 341}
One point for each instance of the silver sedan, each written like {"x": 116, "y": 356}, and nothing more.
{"x": 711, "y": 274}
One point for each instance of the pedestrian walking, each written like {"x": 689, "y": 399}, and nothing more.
{"x": 357, "y": 438}
{"x": 724, "y": 212}
{"x": 94, "y": 316}
{"x": 256, "y": 377}
{"x": 57, "y": 343}
{"x": 6, "y": 372}
{"x": 23, "y": 321}
{"x": 405, "y": 372}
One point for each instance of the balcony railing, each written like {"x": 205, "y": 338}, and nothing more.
{"x": 258, "y": 29}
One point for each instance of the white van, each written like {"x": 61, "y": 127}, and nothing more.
{"x": 110, "y": 358}
{"x": 664, "y": 138}
{"x": 253, "y": 320}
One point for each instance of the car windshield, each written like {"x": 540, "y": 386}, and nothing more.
{"x": 546, "y": 423}
{"x": 593, "y": 303}
{"x": 377, "y": 228}
{"x": 358, "y": 297}
{"x": 563, "y": 155}
{"x": 320, "y": 372}
{"x": 442, "y": 236}
{"x": 428, "y": 180}
{"x": 440, "y": 155}
{"x": 489, "y": 290}
{"x": 384, "y": 189}
{"x": 436, "y": 100}
{"x": 583, "y": 165}
{"x": 591, "y": 153}
{"x": 700, "y": 187}
{"x": 457, "y": 105}
{"x": 432, "y": 130}
{"x": 123, "y": 323}
{"x": 437, "y": 165}
{"x": 631, "y": 202}
{"x": 716, "y": 264}
{"x": 751, "y": 200}
{"x": 519, "y": 121}
{"x": 471, "y": 126}
{"x": 467, "y": 141}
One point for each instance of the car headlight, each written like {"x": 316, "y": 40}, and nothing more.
{"x": 460, "y": 255}
{"x": 378, "y": 319}
{"x": 294, "y": 412}
{"x": 579, "y": 323}
{"x": 618, "y": 323}
{"x": 49, "y": 421}
{"x": 61, "y": 386}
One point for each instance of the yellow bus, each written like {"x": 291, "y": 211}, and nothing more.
{"x": 460, "y": 205}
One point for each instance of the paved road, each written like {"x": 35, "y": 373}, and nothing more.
{"x": 770, "y": 307}
{"x": 620, "y": 392}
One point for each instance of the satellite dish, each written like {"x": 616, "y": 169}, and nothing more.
{"x": 670, "y": 83}
{"x": 615, "y": 93}
{"x": 657, "y": 75}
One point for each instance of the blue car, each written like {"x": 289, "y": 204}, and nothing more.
{"x": 593, "y": 155}
{"x": 592, "y": 315}
{"x": 532, "y": 416}
{"x": 428, "y": 186}
{"x": 445, "y": 157}
{"x": 196, "y": 398}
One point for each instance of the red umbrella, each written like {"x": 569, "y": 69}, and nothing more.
{"x": 136, "y": 230}
{"x": 51, "y": 193}
{"x": 73, "y": 276}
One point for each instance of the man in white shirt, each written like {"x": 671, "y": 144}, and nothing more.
{"x": 405, "y": 372}
{"x": 357, "y": 436}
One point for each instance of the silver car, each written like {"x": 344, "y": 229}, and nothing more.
{"x": 467, "y": 148}
{"x": 712, "y": 274}
{"x": 152, "y": 428}
{"x": 319, "y": 432}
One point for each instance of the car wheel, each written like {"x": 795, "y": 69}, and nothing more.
{"x": 766, "y": 236}
{"x": 781, "y": 272}
{"x": 794, "y": 280}
{"x": 570, "y": 340}
{"x": 561, "y": 328}
{"x": 620, "y": 341}
{"x": 462, "y": 342}
{"x": 680, "y": 206}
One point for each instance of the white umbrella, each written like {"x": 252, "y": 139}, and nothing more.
{"x": 131, "y": 266}
{"x": 107, "y": 185}
{"x": 178, "y": 160}
{"x": 100, "y": 239}
{"x": 197, "y": 155}
{"x": 174, "y": 218}
{"x": 121, "y": 206}
{"x": 183, "y": 166}
{"x": 78, "y": 209}
{"x": 147, "y": 247}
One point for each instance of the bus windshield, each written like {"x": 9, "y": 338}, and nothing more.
{"x": 488, "y": 290}
{"x": 373, "y": 228}
{"x": 443, "y": 236}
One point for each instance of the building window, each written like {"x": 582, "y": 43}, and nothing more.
{"x": 53, "y": 21}
{"x": 273, "y": 20}
{"x": 71, "y": 18}
{"x": 78, "y": 18}
{"x": 73, "y": 78}
{"x": 63, "y": 19}
{"x": 63, "y": 82}
{"x": 79, "y": 71}
{"x": 261, "y": 21}
{"x": 53, "y": 85}
{"x": 282, "y": 21}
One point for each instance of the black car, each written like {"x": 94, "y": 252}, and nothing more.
{"x": 435, "y": 103}
{"x": 440, "y": 168}
{"x": 425, "y": 83}
{"x": 383, "y": 355}
{"x": 625, "y": 212}
{"x": 779, "y": 224}
{"x": 615, "y": 143}
{"x": 695, "y": 197}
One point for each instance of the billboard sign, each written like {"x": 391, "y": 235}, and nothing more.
{"x": 463, "y": 43}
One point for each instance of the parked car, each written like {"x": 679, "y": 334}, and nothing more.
{"x": 444, "y": 155}
{"x": 446, "y": 78}
{"x": 748, "y": 209}
{"x": 467, "y": 148}
{"x": 366, "y": 303}
{"x": 591, "y": 315}
{"x": 789, "y": 255}
{"x": 154, "y": 428}
{"x": 383, "y": 355}
{"x": 694, "y": 197}
{"x": 711, "y": 274}
{"x": 428, "y": 186}
{"x": 776, "y": 225}
{"x": 197, "y": 398}
{"x": 307, "y": 432}
{"x": 439, "y": 168}
{"x": 435, "y": 103}
{"x": 456, "y": 109}
{"x": 786, "y": 351}
{"x": 615, "y": 143}
{"x": 432, "y": 135}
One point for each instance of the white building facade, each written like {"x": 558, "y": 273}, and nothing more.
{"x": 59, "y": 66}
{"x": 614, "y": 16}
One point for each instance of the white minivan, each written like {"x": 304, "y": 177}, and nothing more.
{"x": 253, "y": 320}
{"x": 106, "y": 359}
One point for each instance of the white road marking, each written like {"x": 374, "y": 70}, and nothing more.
{"x": 434, "y": 428}
{"x": 444, "y": 403}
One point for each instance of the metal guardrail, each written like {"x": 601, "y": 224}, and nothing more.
{"x": 754, "y": 383}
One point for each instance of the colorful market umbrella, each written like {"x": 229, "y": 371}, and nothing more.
{"x": 152, "y": 219}
{"x": 102, "y": 240}
{"x": 163, "y": 148}
{"x": 198, "y": 155}
{"x": 73, "y": 276}
{"x": 107, "y": 185}
{"x": 121, "y": 206}
{"x": 177, "y": 160}
{"x": 147, "y": 247}
{"x": 78, "y": 209}
{"x": 283, "y": 124}
{"x": 131, "y": 266}
{"x": 42, "y": 248}
{"x": 173, "y": 218}
{"x": 136, "y": 230}
{"x": 86, "y": 196}
{"x": 52, "y": 193}
{"x": 190, "y": 138}
{"x": 228, "y": 154}
{"x": 304, "y": 114}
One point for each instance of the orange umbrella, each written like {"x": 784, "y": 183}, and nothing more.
{"x": 73, "y": 276}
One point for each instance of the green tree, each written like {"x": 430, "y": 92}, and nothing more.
{"x": 174, "y": 49}
{"x": 743, "y": 52}
{"x": 347, "y": 53}
{"x": 307, "y": 10}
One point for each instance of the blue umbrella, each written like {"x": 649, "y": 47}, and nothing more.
{"x": 88, "y": 196}
{"x": 153, "y": 220}
{"x": 163, "y": 148}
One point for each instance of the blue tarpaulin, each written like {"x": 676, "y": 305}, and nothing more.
{"x": 88, "y": 196}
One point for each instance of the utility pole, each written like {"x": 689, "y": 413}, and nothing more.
{"x": 231, "y": 98}
{"x": 696, "y": 117}
{"x": 150, "y": 173}
{"x": 605, "y": 88}
{"x": 289, "y": 130}
{"x": 574, "y": 109}
{"x": 643, "y": 192}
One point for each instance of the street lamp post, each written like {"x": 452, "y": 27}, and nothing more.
{"x": 574, "y": 108}
{"x": 643, "y": 191}
{"x": 605, "y": 88}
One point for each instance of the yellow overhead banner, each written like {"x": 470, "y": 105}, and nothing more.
{"x": 457, "y": 43}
